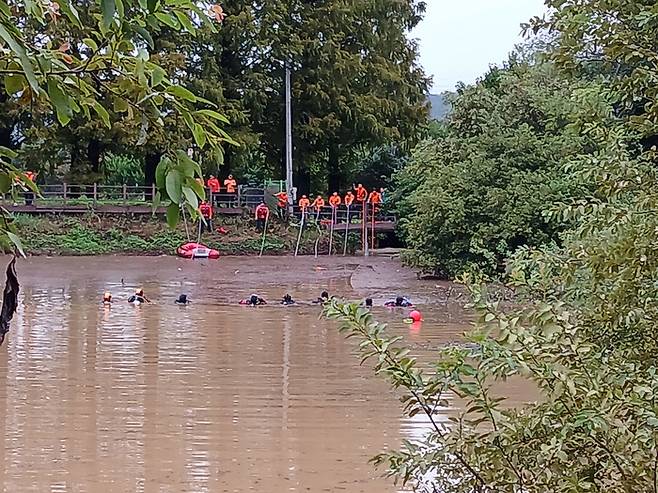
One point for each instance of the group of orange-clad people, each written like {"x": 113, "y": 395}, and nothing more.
{"x": 360, "y": 195}
{"x": 355, "y": 199}
{"x": 215, "y": 187}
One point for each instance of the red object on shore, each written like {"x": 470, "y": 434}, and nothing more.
{"x": 196, "y": 250}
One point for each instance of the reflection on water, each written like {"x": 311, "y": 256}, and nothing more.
{"x": 210, "y": 397}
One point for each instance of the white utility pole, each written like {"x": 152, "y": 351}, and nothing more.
{"x": 289, "y": 189}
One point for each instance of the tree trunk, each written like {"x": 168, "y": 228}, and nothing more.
{"x": 225, "y": 169}
{"x": 303, "y": 182}
{"x": 151, "y": 161}
{"x": 333, "y": 175}
{"x": 5, "y": 127}
{"x": 94, "y": 149}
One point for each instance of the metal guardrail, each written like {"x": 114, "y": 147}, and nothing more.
{"x": 94, "y": 195}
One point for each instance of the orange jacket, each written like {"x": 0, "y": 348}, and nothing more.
{"x": 349, "y": 198}
{"x": 375, "y": 197}
{"x": 334, "y": 200}
{"x": 318, "y": 203}
{"x": 282, "y": 197}
{"x": 304, "y": 203}
{"x": 262, "y": 211}
{"x": 230, "y": 185}
{"x": 361, "y": 194}
{"x": 213, "y": 185}
{"x": 206, "y": 210}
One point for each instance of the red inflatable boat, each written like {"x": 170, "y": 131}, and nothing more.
{"x": 196, "y": 250}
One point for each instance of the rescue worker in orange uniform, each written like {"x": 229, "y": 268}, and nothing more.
{"x": 206, "y": 212}
{"x": 282, "y": 203}
{"x": 349, "y": 198}
{"x": 304, "y": 203}
{"x": 231, "y": 186}
{"x": 29, "y": 194}
{"x": 262, "y": 213}
{"x": 361, "y": 194}
{"x": 334, "y": 200}
{"x": 374, "y": 199}
{"x": 214, "y": 187}
{"x": 318, "y": 203}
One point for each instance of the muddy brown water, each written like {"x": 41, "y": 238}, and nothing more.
{"x": 212, "y": 397}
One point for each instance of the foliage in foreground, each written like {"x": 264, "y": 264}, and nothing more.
{"x": 585, "y": 338}
{"x": 67, "y": 67}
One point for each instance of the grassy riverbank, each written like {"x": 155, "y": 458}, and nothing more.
{"x": 95, "y": 235}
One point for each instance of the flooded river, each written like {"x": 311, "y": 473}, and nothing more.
{"x": 212, "y": 397}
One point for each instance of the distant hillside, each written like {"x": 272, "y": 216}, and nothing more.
{"x": 439, "y": 107}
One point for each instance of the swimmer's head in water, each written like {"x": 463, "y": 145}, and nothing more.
{"x": 287, "y": 298}
{"x": 253, "y": 299}
{"x": 182, "y": 299}
{"x": 369, "y": 302}
{"x": 399, "y": 300}
{"x": 107, "y": 296}
{"x": 139, "y": 292}
{"x": 324, "y": 295}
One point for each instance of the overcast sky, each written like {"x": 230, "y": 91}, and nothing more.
{"x": 460, "y": 38}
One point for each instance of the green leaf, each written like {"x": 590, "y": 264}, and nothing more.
{"x": 152, "y": 5}
{"x": 109, "y": 9}
{"x": 185, "y": 22}
{"x": 199, "y": 135}
{"x": 5, "y": 182}
{"x": 190, "y": 168}
{"x": 198, "y": 189}
{"x": 14, "y": 83}
{"x": 161, "y": 172}
{"x": 213, "y": 114}
{"x": 173, "y": 184}
{"x": 60, "y": 102}
{"x": 191, "y": 197}
{"x": 158, "y": 75}
{"x": 120, "y": 104}
{"x": 17, "y": 242}
{"x": 6, "y": 152}
{"x": 181, "y": 92}
{"x": 69, "y": 11}
{"x": 144, "y": 34}
{"x": 102, "y": 112}
{"x": 167, "y": 19}
{"x": 120, "y": 8}
{"x": 91, "y": 43}
{"x": 173, "y": 214}
{"x": 23, "y": 58}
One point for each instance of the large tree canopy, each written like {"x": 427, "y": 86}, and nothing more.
{"x": 356, "y": 85}
{"x": 470, "y": 197}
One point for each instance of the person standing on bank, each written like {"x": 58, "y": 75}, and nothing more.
{"x": 206, "y": 212}
{"x": 262, "y": 213}
{"x": 231, "y": 187}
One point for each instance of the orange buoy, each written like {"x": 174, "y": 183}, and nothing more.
{"x": 415, "y": 316}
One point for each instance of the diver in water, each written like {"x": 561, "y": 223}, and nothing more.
{"x": 107, "y": 298}
{"x": 400, "y": 301}
{"x": 368, "y": 303}
{"x": 287, "y": 300}
{"x": 182, "y": 300}
{"x": 139, "y": 297}
{"x": 324, "y": 297}
{"x": 253, "y": 300}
